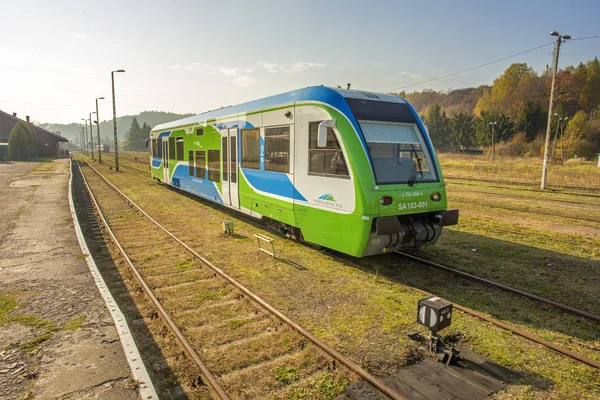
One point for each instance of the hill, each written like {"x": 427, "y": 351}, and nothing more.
{"x": 152, "y": 118}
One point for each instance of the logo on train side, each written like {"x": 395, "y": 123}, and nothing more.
{"x": 327, "y": 199}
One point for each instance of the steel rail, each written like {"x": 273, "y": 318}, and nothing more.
{"x": 534, "y": 338}
{"x": 378, "y": 384}
{"x": 504, "y": 287}
{"x": 525, "y": 211}
{"x": 526, "y": 186}
{"x": 516, "y": 183}
{"x": 520, "y": 332}
{"x": 178, "y": 334}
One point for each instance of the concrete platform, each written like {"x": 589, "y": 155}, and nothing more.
{"x": 57, "y": 339}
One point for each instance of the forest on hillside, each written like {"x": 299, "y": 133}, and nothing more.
{"x": 516, "y": 107}
{"x": 151, "y": 118}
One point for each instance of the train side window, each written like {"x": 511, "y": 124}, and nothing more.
{"x": 171, "y": 148}
{"x": 153, "y": 147}
{"x": 277, "y": 149}
{"x": 159, "y": 148}
{"x": 214, "y": 164}
{"x": 199, "y": 131}
{"x": 328, "y": 160}
{"x": 180, "y": 148}
{"x": 251, "y": 148}
{"x": 191, "y": 162}
{"x": 201, "y": 164}
{"x": 225, "y": 161}
{"x": 233, "y": 150}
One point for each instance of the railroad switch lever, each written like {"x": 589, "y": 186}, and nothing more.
{"x": 436, "y": 314}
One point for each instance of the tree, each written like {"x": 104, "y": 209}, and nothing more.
{"x": 575, "y": 133}
{"x": 135, "y": 138}
{"x": 531, "y": 119}
{"x": 437, "y": 125}
{"x": 503, "y": 130}
{"x": 20, "y": 142}
{"x": 146, "y": 129}
{"x": 505, "y": 91}
{"x": 462, "y": 130}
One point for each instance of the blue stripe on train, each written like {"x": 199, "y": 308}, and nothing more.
{"x": 200, "y": 187}
{"x": 156, "y": 162}
{"x": 270, "y": 182}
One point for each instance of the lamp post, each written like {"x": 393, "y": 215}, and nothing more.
{"x": 98, "y": 130}
{"x": 92, "y": 134}
{"x": 86, "y": 139}
{"x": 559, "y": 40}
{"x": 112, "y": 77}
{"x": 492, "y": 155}
{"x": 562, "y": 121}
{"x": 555, "y": 136}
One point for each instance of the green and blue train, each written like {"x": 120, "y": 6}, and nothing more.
{"x": 350, "y": 170}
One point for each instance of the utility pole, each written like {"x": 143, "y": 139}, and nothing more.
{"x": 558, "y": 122}
{"x": 112, "y": 77}
{"x": 92, "y": 134}
{"x": 86, "y": 138}
{"x": 98, "y": 129}
{"x": 492, "y": 155}
{"x": 562, "y": 121}
{"x": 559, "y": 40}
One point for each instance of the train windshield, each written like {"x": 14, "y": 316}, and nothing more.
{"x": 398, "y": 152}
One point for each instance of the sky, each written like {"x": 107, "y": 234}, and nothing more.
{"x": 192, "y": 56}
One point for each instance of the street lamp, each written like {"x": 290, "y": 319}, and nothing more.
{"x": 559, "y": 39}
{"x": 112, "y": 77}
{"x": 98, "y": 129}
{"x": 562, "y": 122}
{"x": 92, "y": 133}
{"x": 86, "y": 138}
{"x": 492, "y": 155}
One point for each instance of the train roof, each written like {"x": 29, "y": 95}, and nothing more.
{"x": 329, "y": 95}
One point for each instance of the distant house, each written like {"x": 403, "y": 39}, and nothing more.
{"x": 46, "y": 142}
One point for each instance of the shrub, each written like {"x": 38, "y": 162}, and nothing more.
{"x": 20, "y": 142}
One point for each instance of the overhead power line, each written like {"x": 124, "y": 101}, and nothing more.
{"x": 587, "y": 37}
{"x": 472, "y": 68}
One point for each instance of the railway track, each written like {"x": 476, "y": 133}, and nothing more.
{"x": 529, "y": 336}
{"x": 538, "y": 212}
{"x": 236, "y": 339}
{"x": 526, "y": 187}
{"x": 583, "y": 243}
{"x": 502, "y": 287}
{"x": 138, "y": 171}
{"x": 470, "y": 189}
{"x": 560, "y": 349}
{"x": 557, "y": 188}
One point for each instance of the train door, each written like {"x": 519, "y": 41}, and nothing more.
{"x": 229, "y": 166}
{"x": 165, "y": 159}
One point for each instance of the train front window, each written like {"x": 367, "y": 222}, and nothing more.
{"x": 398, "y": 152}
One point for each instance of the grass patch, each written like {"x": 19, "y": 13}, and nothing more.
{"x": 75, "y": 323}
{"x": 81, "y": 256}
{"x": 33, "y": 344}
{"x": 365, "y": 308}
{"x": 324, "y": 387}
{"x": 186, "y": 264}
{"x": 8, "y": 303}
{"x": 285, "y": 375}
{"x": 236, "y": 323}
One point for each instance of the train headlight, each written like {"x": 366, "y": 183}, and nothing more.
{"x": 435, "y": 196}
{"x": 385, "y": 201}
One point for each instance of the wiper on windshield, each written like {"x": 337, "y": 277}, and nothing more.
{"x": 418, "y": 169}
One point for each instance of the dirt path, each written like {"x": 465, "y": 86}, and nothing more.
{"x": 57, "y": 339}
